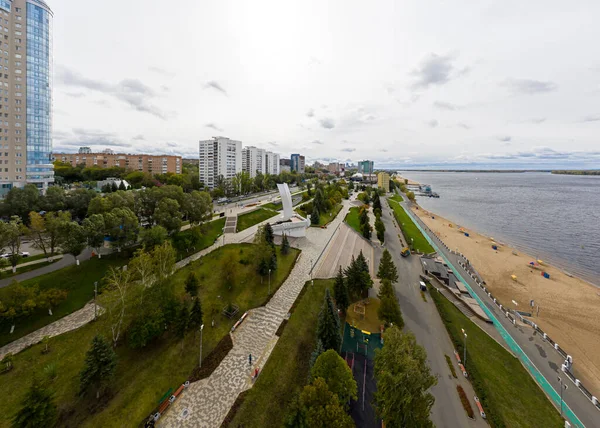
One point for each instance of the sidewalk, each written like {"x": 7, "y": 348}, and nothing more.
{"x": 35, "y": 262}
{"x": 206, "y": 403}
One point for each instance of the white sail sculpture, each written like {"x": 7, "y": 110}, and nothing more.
{"x": 289, "y": 223}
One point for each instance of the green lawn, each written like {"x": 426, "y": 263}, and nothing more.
{"x": 20, "y": 270}
{"x": 209, "y": 232}
{"x": 409, "y": 229}
{"x": 78, "y": 281}
{"x": 397, "y": 198}
{"x": 324, "y": 218}
{"x": 286, "y": 371}
{"x": 272, "y": 206}
{"x": 353, "y": 220}
{"x": 143, "y": 376}
{"x": 510, "y": 397}
{"x": 247, "y": 220}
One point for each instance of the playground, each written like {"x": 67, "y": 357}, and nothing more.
{"x": 363, "y": 315}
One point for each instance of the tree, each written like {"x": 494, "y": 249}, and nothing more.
{"x": 387, "y": 268}
{"x": 316, "y": 352}
{"x": 320, "y": 408}
{"x": 403, "y": 380}
{"x": 386, "y": 289}
{"x": 122, "y": 226}
{"x": 122, "y": 185}
{"x": 54, "y": 228}
{"x": 336, "y": 373}
{"x": 192, "y": 284}
{"x": 120, "y": 281}
{"x": 340, "y": 292}
{"x": 168, "y": 215}
{"x": 314, "y": 217}
{"x": 269, "y": 236}
{"x": 376, "y": 203}
{"x": 38, "y": 234}
{"x": 73, "y": 239}
{"x": 37, "y": 408}
{"x": 13, "y": 232}
{"x": 389, "y": 311}
{"x": 114, "y": 187}
{"x": 146, "y": 326}
{"x": 366, "y": 230}
{"x": 358, "y": 277}
{"x": 182, "y": 322}
{"x": 328, "y": 327}
{"x": 285, "y": 245}
{"x": 99, "y": 367}
{"x": 380, "y": 229}
{"x": 410, "y": 196}
{"x": 196, "y": 314}
{"x": 93, "y": 229}
{"x": 154, "y": 236}
{"x": 197, "y": 206}
{"x": 54, "y": 199}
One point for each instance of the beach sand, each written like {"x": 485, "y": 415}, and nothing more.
{"x": 569, "y": 307}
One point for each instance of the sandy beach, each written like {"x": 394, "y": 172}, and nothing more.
{"x": 569, "y": 307}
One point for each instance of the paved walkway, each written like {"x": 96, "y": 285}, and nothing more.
{"x": 34, "y": 262}
{"x": 230, "y": 224}
{"x": 63, "y": 325}
{"x": 346, "y": 244}
{"x": 206, "y": 403}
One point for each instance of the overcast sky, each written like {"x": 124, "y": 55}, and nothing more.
{"x": 404, "y": 83}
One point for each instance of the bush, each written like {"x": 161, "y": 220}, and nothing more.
{"x": 465, "y": 401}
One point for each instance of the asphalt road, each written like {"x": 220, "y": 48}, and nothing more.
{"x": 250, "y": 200}
{"x": 422, "y": 319}
{"x": 541, "y": 354}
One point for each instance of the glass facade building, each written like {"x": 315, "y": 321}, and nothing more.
{"x": 39, "y": 94}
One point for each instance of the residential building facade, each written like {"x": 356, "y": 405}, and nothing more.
{"x": 284, "y": 165}
{"x": 26, "y": 104}
{"x": 298, "y": 163}
{"x": 383, "y": 181}
{"x": 219, "y": 157}
{"x": 365, "y": 167}
{"x": 272, "y": 163}
{"x": 153, "y": 164}
{"x": 253, "y": 160}
{"x": 336, "y": 168}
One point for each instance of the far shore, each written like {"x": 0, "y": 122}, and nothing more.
{"x": 569, "y": 306}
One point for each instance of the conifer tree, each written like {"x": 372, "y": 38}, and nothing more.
{"x": 99, "y": 367}
{"x": 314, "y": 217}
{"x": 340, "y": 292}
{"x": 387, "y": 268}
{"x": 191, "y": 284}
{"x": 37, "y": 409}
{"x": 269, "y": 236}
{"x": 285, "y": 246}
{"x": 328, "y": 327}
{"x": 196, "y": 314}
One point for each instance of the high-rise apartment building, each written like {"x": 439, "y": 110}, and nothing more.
{"x": 219, "y": 157}
{"x": 26, "y": 94}
{"x": 272, "y": 163}
{"x": 253, "y": 160}
{"x": 298, "y": 163}
{"x": 383, "y": 181}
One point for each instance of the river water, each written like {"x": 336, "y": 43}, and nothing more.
{"x": 555, "y": 218}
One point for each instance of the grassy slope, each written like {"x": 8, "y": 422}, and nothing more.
{"x": 250, "y": 219}
{"x": 23, "y": 269}
{"x": 79, "y": 283}
{"x": 143, "y": 376}
{"x": 211, "y": 231}
{"x": 410, "y": 230}
{"x": 286, "y": 371}
{"x": 353, "y": 220}
{"x": 508, "y": 393}
{"x": 397, "y": 198}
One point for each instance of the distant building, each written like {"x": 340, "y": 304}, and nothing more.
{"x": 285, "y": 165}
{"x": 365, "y": 167}
{"x": 383, "y": 181}
{"x": 336, "y": 168}
{"x": 318, "y": 165}
{"x": 100, "y": 184}
{"x": 250, "y": 160}
{"x": 272, "y": 163}
{"x": 192, "y": 161}
{"x": 298, "y": 163}
{"x": 85, "y": 151}
{"x": 154, "y": 164}
{"x": 220, "y": 156}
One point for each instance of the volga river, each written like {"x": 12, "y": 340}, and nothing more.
{"x": 553, "y": 217}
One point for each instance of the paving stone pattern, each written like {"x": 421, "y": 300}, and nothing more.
{"x": 207, "y": 402}
{"x": 63, "y": 325}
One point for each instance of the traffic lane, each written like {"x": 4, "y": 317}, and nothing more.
{"x": 537, "y": 354}
{"x": 250, "y": 200}
{"x": 424, "y": 322}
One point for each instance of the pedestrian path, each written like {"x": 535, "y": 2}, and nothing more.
{"x": 63, "y": 325}
{"x": 207, "y": 402}
{"x": 35, "y": 262}
{"x": 231, "y": 224}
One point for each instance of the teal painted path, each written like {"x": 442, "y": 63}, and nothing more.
{"x": 540, "y": 379}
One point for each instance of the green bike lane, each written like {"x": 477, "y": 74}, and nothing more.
{"x": 514, "y": 346}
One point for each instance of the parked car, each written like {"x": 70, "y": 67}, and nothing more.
{"x": 4, "y": 256}
{"x": 422, "y": 286}
{"x": 25, "y": 254}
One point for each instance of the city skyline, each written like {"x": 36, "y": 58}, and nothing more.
{"x": 417, "y": 90}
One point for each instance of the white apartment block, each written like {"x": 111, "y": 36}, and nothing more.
{"x": 220, "y": 156}
{"x": 253, "y": 160}
{"x": 272, "y": 161}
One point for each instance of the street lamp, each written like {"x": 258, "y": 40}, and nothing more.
{"x": 562, "y": 387}
{"x": 516, "y": 304}
{"x": 465, "y": 352}
{"x": 201, "y": 328}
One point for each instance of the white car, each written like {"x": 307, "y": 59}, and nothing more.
{"x": 25, "y": 254}
{"x": 4, "y": 256}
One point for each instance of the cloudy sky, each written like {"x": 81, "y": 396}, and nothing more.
{"x": 414, "y": 83}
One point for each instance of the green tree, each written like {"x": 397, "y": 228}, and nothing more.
{"x": 99, "y": 367}
{"x": 38, "y": 234}
{"x": 269, "y": 236}
{"x": 168, "y": 215}
{"x": 328, "y": 327}
{"x": 387, "y": 268}
{"x": 389, "y": 311}
{"x": 386, "y": 289}
{"x": 314, "y": 217}
{"x": 73, "y": 239}
{"x": 196, "y": 314}
{"x": 154, "y": 236}
{"x": 122, "y": 186}
{"x": 197, "y": 206}
{"x": 37, "y": 408}
{"x": 285, "y": 245}
{"x": 146, "y": 326}
{"x": 340, "y": 292}
{"x": 93, "y": 228}
{"x": 366, "y": 230}
{"x": 114, "y": 187}
{"x": 380, "y": 229}
{"x": 376, "y": 203}
{"x": 403, "y": 380}
{"x": 321, "y": 407}
{"x": 54, "y": 199}
{"x": 12, "y": 234}
{"x": 192, "y": 284}
{"x": 410, "y": 196}
{"x": 122, "y": 226}
{"x": 336, "y": 373}
{"x": 316, "y": 352}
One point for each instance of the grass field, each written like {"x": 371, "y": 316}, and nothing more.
{"x": 397, "y": 198}
{"x": 324, "y": 218}
{"x": 9, "y": 273}
{"x": 247, "y": 220}
{"x": 409, "y": 229}
{"x": 508, "y": 394}
{"x": 368, "y": 322}
{"x": 286, "y": 371}
{"x": 78, "y": 281}
{"x": 143, "y": 376}
{"x": 353, "y": 220}
{"x": 272, "y": 206}
{"x": 211, "y": 230}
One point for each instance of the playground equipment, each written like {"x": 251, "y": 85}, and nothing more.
{"x": 359, "y": 309}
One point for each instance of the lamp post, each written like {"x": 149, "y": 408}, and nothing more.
{"x": 95, "y": 296}
{"x": 465, "y": 351}
{"x": 562, "y": 387}
{"x": 516, "y": 304}
{"x": 269, "y": 282}
{"x": 201, "y": 328}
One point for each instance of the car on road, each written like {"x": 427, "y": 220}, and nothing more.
{"x": 4, "y": 256}
{"x": 422, "y": 286}
{"x": 405, "y": 252}
{"x": 25, "y": 254}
